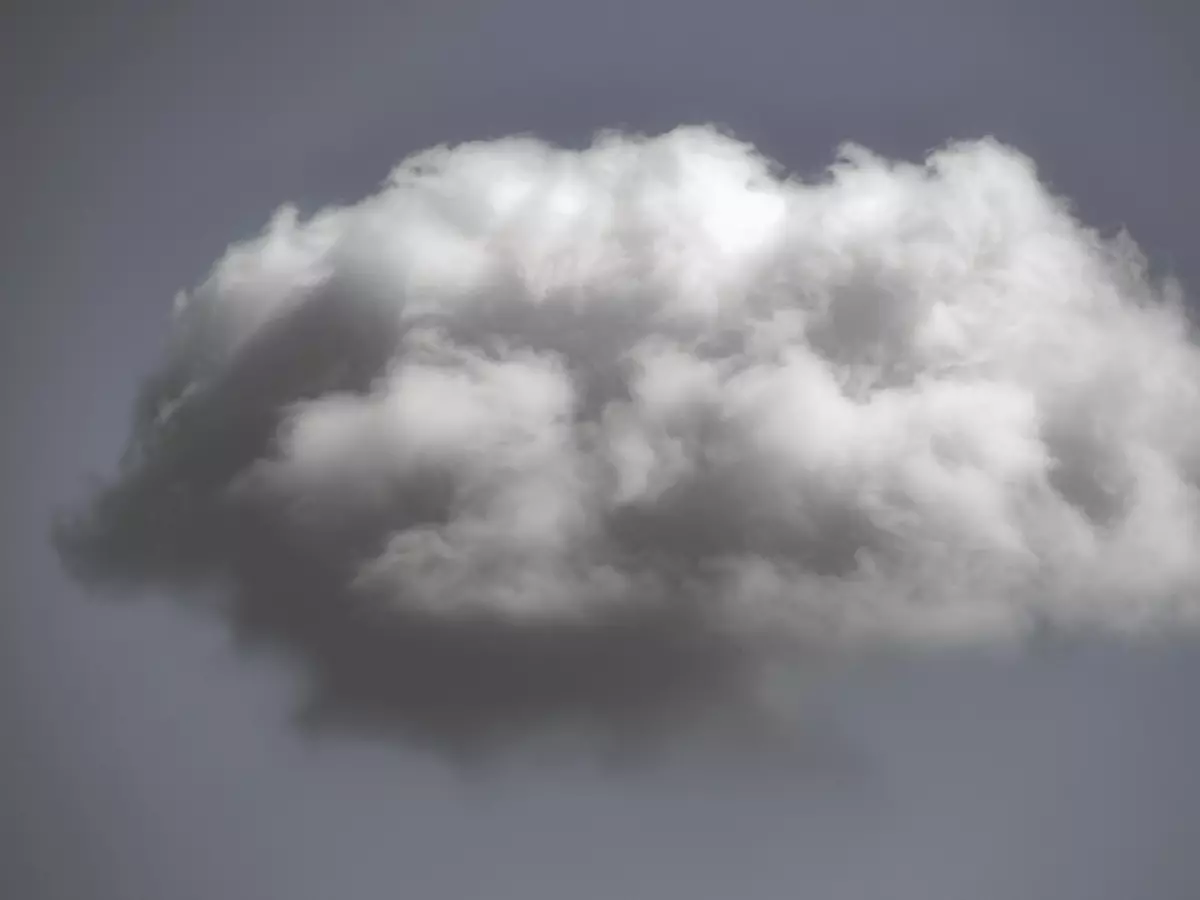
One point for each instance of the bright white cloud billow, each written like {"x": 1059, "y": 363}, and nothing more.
{"x": 903, "y": 403}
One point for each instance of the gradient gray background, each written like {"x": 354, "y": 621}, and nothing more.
{"x": 144, "y": 757}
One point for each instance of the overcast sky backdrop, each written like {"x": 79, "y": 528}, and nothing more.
{"x": 145, "y": 757}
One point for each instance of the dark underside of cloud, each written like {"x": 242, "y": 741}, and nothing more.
{"x": 466, "y": 684}
{"x": 539, "y": 440}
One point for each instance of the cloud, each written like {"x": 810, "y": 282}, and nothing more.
{"x": 537, "y": 437}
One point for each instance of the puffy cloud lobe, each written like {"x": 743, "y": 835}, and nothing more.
{"x": 552, "y": 390}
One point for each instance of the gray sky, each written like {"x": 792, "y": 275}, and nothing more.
{"x": 145, "y": 757}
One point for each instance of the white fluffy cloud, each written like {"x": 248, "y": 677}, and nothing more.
{"x": 903, "y": 400}
{"x": 903, "y": 403}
